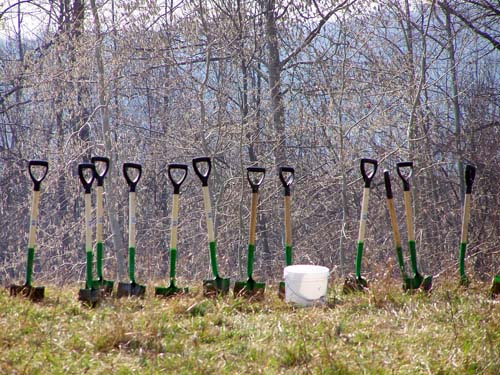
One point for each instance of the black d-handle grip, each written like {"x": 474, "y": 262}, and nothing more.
{"x": 37, "y": 182}
{"x": 368, "y": 177}
{"x": 132, "y": 183}
{"x": 470, "y": 174}
{"x": 100, "y": 176}
{"x": 287, "y": 181}
{"x": 203, "y": 176}
{"x": 405, "y": 177}
{"x": 387, "y": 182}
{"x": 177, "y": 183}
{"x": 87, "y": 183}
{"x": 255, "y": 183}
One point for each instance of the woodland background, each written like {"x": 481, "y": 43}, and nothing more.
{"x": 313, "y": 84}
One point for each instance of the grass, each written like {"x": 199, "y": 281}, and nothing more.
{"x": 383, "y": 331}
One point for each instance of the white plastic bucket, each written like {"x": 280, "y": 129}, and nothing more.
{"x": 306, "y": 285}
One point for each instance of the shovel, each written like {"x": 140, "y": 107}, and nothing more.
{"x": 217, "y": 285}
{"x": 359, "y": 283}
{"x": 251, "y": 288}
{"x": 470, "y": 173}
{"x": 172, "y": 289}
{"x": 88, "y": 295}
{"x": 131, "y": 289}
{"x": 105, "y": 285}
{"x": 287, "y": 175}
{"x": 418, "y": 280}
{"x": 34, "y": 293}
{"x": 395, "y": 231}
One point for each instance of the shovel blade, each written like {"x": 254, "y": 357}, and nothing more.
{"x": 166, "y": 292}
{"x": 216, "y": 287}
{"x": 354, "y": 284}
{"x": 130, "y": 290}
{"x": 34, "y": 293}
{"x": 249, "y": 289}
{"x": 89, "y": 297}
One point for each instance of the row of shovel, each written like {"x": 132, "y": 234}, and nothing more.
{"x": 97, "y": 288}
{"x": 417, "y": 280}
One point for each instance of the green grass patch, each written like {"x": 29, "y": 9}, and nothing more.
{"x": 382, "y": 331}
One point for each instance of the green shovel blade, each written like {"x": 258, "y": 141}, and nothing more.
{"x": 106, "y": 286}
{"x": 170, "y": 291}
{"x": 249, "y": 289}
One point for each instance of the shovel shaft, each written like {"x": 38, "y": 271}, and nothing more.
{"x": 99, "y": 254}
{"x": 364, "y": 214}
{"x": 131, "y": 264}
{"x": 461, "y": 262}
{"x": 132, "y": 220}
{"x": 173, "y": 261}
{"x": 29, "y": 267}
{"x": 34, "y": 219}
{"x": 413, "y": 258}
{"x": 253, "y": 219}
{"x": 401, "y": 262}
{"x": 394, "y": 223}
{"x": 288, "y": 230}
{"x": 32, "y": 236}
{"x": 409, "y": 215}
{"x": 288, "y": 220}
{"x": 251, "y": 250}
{"x": 465, "y": 219}
{"x": 88, "y": 239}
{"x": 213, "y": 259}
{"x": 288, "y": 255}
{"x": 98, "y": 230}
{"x": 359, "y": 257}
{"x": 174, "y": 221}
{"x": 211, "y": 233}
{"x": 208, "y": 214}
{"x": 463, "y": 238}
{"x": 99, "y": 213}
{"x": 88, "y": 279}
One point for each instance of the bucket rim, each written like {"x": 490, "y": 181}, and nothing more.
{"x": 305, "y": 269}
